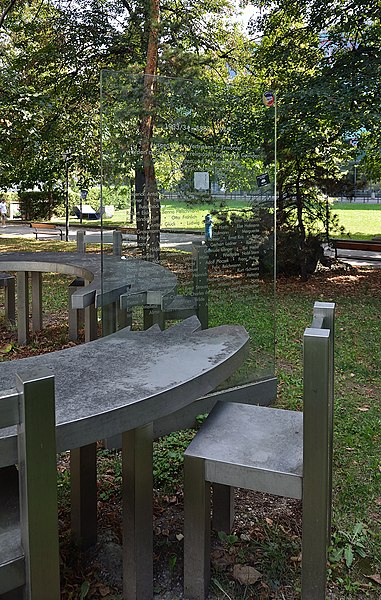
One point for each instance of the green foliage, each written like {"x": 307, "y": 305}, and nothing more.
{"x": 296, "y": 256}
{"x": 40, "y": 205}
{"x": 228, "y": 538}
{"x": 168, "y": 459}
{"x": 346, "y": 546}
{"x": 242, "y": 241}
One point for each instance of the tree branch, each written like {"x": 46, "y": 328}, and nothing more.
{"x": 6, "y": 10}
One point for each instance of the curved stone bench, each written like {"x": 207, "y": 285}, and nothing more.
{"x": 146, "y": 281}
{"x": 121, "y": 384}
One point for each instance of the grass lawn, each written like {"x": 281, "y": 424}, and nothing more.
{"x": 266, "y": 533}
{"x": 179, "y": 215}
{"x": 361, "y": 221}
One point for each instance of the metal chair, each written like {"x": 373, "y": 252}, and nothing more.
{"x": 276, "y": 451}
{"x": 29, "y": 552}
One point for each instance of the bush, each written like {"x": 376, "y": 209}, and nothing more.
{"x": 293, "y": 258}
{"x": 244, "y": 243}
{"x": 40, "y": 205}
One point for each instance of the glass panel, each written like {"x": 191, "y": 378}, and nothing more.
{"x": 196, "y": 205}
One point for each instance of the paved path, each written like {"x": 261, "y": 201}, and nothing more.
{"x": 183, "y": 241}
{"x": 356, "y": 258}
{"x": 179, "y": 241}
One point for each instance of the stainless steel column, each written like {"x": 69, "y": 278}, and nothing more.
{"x": 23, "y": 307}
{"x": 137, "y": 514}
{"x": 83, "y": 480}
{"x": 316, "y": 375}
{"x": 38, "y": 489}
{"x": 36, "y": 301}
{"x": 196, "y": 529}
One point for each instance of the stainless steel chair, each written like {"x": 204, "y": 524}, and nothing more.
{"x": 29, "y": 553}
{"x": 276, "y": 451}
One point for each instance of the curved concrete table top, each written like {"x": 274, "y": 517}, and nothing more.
{"x": 120, "y": 275}
{"x": 128, "y": 379}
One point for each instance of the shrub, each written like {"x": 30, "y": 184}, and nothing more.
{"x": 40, "y": 205}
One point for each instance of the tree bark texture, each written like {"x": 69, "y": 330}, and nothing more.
{"x": 151, "y": 203}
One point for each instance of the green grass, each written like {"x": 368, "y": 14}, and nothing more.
{"x": 174, "y": 215}
{"x": 361, "y": 221}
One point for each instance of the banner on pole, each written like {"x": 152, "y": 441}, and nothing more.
{"x": 268, "y": 98}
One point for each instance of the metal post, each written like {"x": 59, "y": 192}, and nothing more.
{"x": 38, "y": 489}
{"x": 200, "y": 280}
{"x": 117, "y": 243}
{"x": 91, "y": 323}
{"x": 316, "y": 376}
{"x": 23, "y": 307}
{"x": 109, "y": 319}
{"x": 83, "y": 481}
{"x": 196, "y": 529}
{"x": 75, "y": 315}
{"x": 327, "y": 311}
{"x": 67, "y": 198}
{"x": 36, "y": 300}
{"x": 153, "y": 315}
{"x": 123, "y": 318}
{"x": 9, "y": 297}
{"x": 223, "y": 507}
{"x": 137, "y": 514}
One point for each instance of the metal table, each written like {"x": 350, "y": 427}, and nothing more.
{"x": 149, "y": 282}
{"x": 121, "y": 384}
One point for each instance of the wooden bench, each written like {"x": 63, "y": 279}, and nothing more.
{"x": 46, "y": 229}
{"x": 360, "y": 245}
{"x": 131, "y": 230}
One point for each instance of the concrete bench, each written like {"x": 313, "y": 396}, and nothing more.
{"x": 29, "y": 554}
{"x": 46, "y": 229}
{"x": 124, "y": 383}
{"x": 356, "y": 245}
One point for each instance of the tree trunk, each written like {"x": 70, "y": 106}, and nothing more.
{"x": 141, "y": 211}
{"x": 151, "y": 195}
{"x": 302, "y": 230}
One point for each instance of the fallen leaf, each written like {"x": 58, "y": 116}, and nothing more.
{"x": 363, "y": 408}
{"x": 245, "y": 574}
{"x": 104, "y": 591}
{"x": 378, "y": 501}
{"x": 296, "y": 558}
{"x": 179, "y": 537}
{"x": 6, "y": 349}
{"x": 269, "y": 521}
{"x": 221, "y": 560}
{"x": 376, "y": 577}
